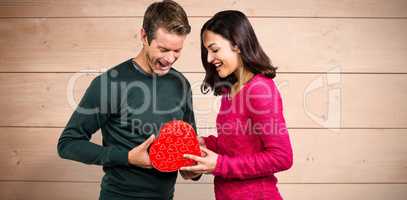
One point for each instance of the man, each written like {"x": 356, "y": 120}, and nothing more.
{"x": 129, "y": 103}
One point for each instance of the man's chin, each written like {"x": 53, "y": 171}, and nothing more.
{"x": 162, "y": 72}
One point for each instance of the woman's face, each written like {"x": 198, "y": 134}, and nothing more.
{"x": 221, "y": 53}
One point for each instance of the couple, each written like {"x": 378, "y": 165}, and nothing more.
{"x": 131, "y": 101}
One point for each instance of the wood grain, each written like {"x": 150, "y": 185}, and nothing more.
{"x": 258, "y": 8}
{"x": 354, "y": 156}
{"x": 86, "y": 191}
{"x": 341, "y": 63}
{"x": 310, "y": 100}
{"x": 294, "y": 44}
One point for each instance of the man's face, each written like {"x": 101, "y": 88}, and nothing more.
{"x": 163, "y": 50}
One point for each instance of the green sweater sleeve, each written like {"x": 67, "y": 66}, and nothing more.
{"x": 74, "y": 142}
{"x": 188, "y": 108}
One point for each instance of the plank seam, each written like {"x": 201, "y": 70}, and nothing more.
{"x": 281, "y": 183}
{"x": 293, "y": 128}
{"x": 187, "y": 72}
{"x": 204, "y": 16}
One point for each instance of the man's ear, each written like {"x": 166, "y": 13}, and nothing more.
{"x": 143, "y": 37}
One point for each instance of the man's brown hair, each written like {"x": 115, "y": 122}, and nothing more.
{"x": 166, "y": 14}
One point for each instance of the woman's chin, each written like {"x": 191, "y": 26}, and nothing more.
{"x": 222, "y": 75}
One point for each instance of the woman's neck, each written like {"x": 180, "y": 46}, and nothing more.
{"x": 243, "y": 76}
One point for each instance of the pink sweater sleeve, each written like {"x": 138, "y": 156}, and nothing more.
{"x": 211, "y": 143}
{"x": 265, "y": 110}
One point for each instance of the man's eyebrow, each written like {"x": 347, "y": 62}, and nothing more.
{"x": 162, "y": 47}
{"x": 169, "y": 49}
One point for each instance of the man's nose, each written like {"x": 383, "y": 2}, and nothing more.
{"x": 170, "y": 58}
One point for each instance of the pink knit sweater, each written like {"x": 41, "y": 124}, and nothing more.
{"x": 252, "y": 143}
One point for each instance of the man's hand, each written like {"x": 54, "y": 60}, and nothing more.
{"x": 189, "y": 175}
{"x": 138, "y": 156}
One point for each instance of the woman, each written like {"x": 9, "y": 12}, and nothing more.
{"x": 253, "y": 142}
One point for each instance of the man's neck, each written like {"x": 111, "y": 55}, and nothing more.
{"x": 141, "y": 60}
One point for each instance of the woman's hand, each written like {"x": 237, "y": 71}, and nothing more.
{"x": 204, "y": 164}
{"x": 201, "y": 142}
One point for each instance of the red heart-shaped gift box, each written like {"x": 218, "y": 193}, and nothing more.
{"x": 176, "y": 138}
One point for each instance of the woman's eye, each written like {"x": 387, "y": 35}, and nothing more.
{"x": 214, "y": 51}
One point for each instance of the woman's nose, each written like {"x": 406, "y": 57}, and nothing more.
{"x": 210, "y": 58}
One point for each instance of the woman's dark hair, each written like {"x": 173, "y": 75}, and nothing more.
{"x": 234, "y": 26}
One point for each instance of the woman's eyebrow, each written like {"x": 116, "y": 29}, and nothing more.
{"x": 210, "y": 45}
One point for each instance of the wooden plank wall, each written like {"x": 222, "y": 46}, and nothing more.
{"x": 342, "y": 74}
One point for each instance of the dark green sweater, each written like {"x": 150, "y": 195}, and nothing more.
{"x": 128, "y": 106}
